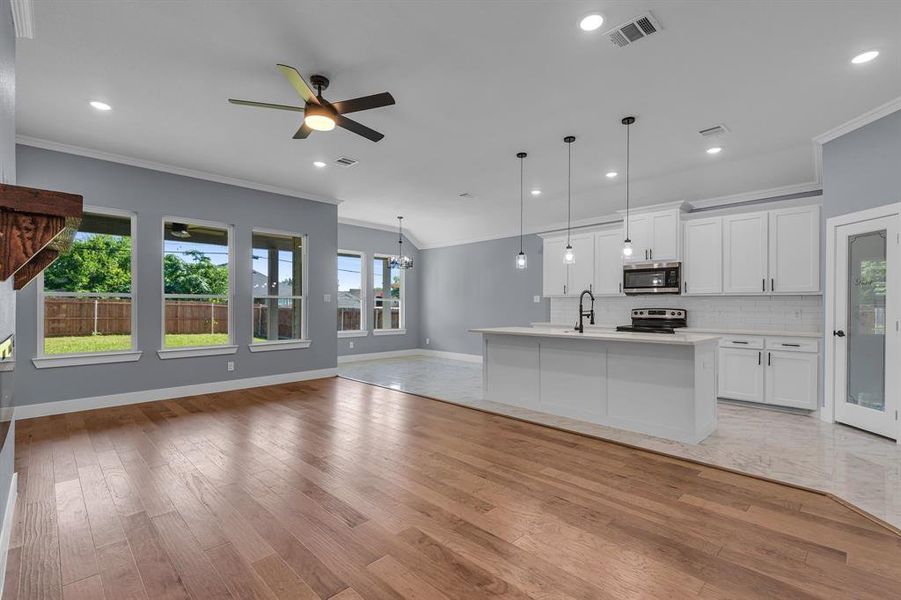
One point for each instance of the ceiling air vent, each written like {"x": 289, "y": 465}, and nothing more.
{"x": 715, "y": 130}
{"x": 345, "y": 162}
{"x": 635, "y": 29}
{"x": 467, "y": 195}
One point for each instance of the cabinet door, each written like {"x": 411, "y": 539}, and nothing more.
{"x": 608, "y": 263}
{"x": 554, "y": 271}
{"x": 640, "y": 234}
{"x": 581, "y": 272}
{"x": 745, "y": 254}
{"x": 740, "y": 374}
{"x": 795, "y": 250}
{"x": 791, "y": 379}
{"x": 664, "y": 236}
{"x": 702, "y": 257}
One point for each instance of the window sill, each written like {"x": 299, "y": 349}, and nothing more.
{"x": 77, "y": 360}
{"x": 389, "y": 332}
{"x": 279, "y": 345}
{"x": 197, "y": 351}
{"x": 352, "y": 334}
{"x": 7, "y": 364}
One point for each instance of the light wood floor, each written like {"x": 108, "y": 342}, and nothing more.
{"x": 338, "y": 489}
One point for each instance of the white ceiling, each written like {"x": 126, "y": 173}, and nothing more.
{"x": 475, "y": 82}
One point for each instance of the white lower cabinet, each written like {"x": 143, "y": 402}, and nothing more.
{"x": 777, "y": 371}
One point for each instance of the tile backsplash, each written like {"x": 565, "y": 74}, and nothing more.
{"x": 780, "y": 313}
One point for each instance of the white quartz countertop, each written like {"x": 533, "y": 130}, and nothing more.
{"x": 562, "y": 332}
{"x": 719, "y": 332}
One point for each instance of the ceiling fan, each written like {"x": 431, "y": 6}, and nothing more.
{"x": 319, "y": 113}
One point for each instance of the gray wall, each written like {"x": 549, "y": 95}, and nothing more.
{"x": 863, "y": 168}
{"x": 476, "y": 285}
{"x": 7, "y": 295}
{"x": 152, "y": 195}
{"x": 376, "y": 241}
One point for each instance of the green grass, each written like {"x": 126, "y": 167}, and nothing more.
{"x": 110, "y": 343}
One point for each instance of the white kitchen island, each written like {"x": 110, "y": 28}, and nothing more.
{"x": 658, "y": 384}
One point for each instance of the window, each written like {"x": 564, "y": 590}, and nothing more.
{"x": 278, "y": 286}
{"x": 196, "y": 284}
{"x": 86, "y": 306}
{"x": 388, "y": 294}
{"x": 350, "y": 292}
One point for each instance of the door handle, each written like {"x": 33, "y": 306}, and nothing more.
{"x": 838, "y": 333}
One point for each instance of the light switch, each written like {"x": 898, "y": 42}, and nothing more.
{"x": 536, "y": 299}
{"x": 327, "y": 298}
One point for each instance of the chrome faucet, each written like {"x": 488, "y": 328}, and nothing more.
{"x": 579, "y": 327}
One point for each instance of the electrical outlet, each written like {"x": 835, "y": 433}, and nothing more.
{"x": 230, "y": 365}
{"x": 351, "y": 344}
{"x": 536, "y": 299}
{"x": 427, "y": 341}
{"x": 327, "y": 298}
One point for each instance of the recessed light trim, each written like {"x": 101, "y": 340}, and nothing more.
{"x": 865, "y": 57}
{"x": 591, "y": 22}
{"x": 714, "y": 150}
{"x": 318, "y": 164}
{"x": 611, "y": 174}
{"x": 536, "y": 192}
{"x": 101, "y": 106}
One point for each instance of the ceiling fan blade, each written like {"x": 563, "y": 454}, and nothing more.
{"x": 364, "y": 103}
{"x": 303, "y": 132}
{"x": 358, "y": 128}
{"x": 266, "y": 105}
{"x": 294, "y": 78}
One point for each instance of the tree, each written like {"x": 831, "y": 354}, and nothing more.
{"x": 199, "y": 276}
{"x": 96, "y": 263}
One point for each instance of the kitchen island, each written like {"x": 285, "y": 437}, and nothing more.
{"x": 658, "y": 384}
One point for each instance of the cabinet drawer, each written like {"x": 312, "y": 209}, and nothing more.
{"x": 741, "y": 341}
{"x": 793, "y": 344}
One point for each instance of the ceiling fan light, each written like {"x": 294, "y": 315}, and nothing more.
{"x": 180, "y": 230}
{"x": 318, "y": 118}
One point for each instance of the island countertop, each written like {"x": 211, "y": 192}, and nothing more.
{"x": 679, "y": 339}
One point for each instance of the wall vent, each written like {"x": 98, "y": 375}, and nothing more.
{"x": 344, "y": 161}
{"x": 633, "y": 30}
{"x": 715, "y": 130}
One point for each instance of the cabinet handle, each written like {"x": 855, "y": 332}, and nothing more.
{"x": 772, "y": 285}
{"x": 792, "y": 345}
{"x": 758, "y": 358}
{"x": 685, "y": 287}
{"x": 769, "y": 359}
{"x": 763, "y": 284}
{"x": 652, "y": 253}
{"x": 620, "y": 288}
{"x": 591, "y": 287}
{"x": 738, "y": 342}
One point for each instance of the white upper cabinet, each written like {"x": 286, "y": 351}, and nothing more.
{"x": 794, "y": 252}
{"x": 745, "y": 268}
{"x": 655, "y": 235}
{"x": 554, "y": 271}
{"x": 581, "y": 272}
{"x": 702, "y": 267}
{"x": 608, "y": 263}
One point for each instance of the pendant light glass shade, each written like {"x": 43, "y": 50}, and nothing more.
{"x": 569, "y": 256}
{"x": 521, "y": 262}
{"x": 627, "y": 243}
{"x": 400, "y": 261}
{"x": 627, "y": 248}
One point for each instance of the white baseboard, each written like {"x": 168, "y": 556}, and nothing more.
{"x": 475, "y": 358}
{"x": 7, "y": 527}
{"x": 30, "y": 411}
{"x": 347, "y": 358}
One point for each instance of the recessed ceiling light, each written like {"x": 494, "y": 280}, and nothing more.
{"x": 714, "y": 150}
{"x": 591, "y": 22}
{"x": 101, "y": 105}
{"x": 865, "y": 57}
{"x": 536, "y": 192}
{"x": 318, "y": 164}
{"x": 612, "y": 174}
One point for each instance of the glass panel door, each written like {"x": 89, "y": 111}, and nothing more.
{"x": 866, "y": 319}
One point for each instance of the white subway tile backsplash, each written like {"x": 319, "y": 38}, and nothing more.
{"x": 788, "y": 313}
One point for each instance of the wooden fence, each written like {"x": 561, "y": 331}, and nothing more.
{"x": 66, "y": 317}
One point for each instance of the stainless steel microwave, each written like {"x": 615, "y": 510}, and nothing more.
{"x": 652, "y": 278}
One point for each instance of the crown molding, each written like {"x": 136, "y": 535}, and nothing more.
{"x": 172, "y": 169}
{"x": 23, "y": 18}
{"x": 812, "y": 188}
{"x": 381, "y": 227}
{"x": 859, "y": 121}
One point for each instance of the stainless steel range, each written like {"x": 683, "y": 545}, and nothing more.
{"x": 656, "y": 320}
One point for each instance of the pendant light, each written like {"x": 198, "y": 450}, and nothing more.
{"x": 627, "y": 243}
{"x": 569, "y": 257}
{"x": 400, "y": 261}
{"x": 521, "y": 261}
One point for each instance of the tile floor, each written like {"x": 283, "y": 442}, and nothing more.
{"x": 863, "y": 469}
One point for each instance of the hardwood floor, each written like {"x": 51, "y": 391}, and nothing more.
{"x": 338, "y": 489}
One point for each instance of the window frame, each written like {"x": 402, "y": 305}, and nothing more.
{"x": 42, "y": 360}
{"x": 189, "y": 351}
{"x": 363, "y": 331}
{"x": 402, "y": 315}
{"x": 304, "y": 341}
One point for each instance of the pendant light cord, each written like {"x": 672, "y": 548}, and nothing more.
{"x": 520, "y": 205}
{"x": 569, "y": 191}
{"x": 628, "y": 129}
